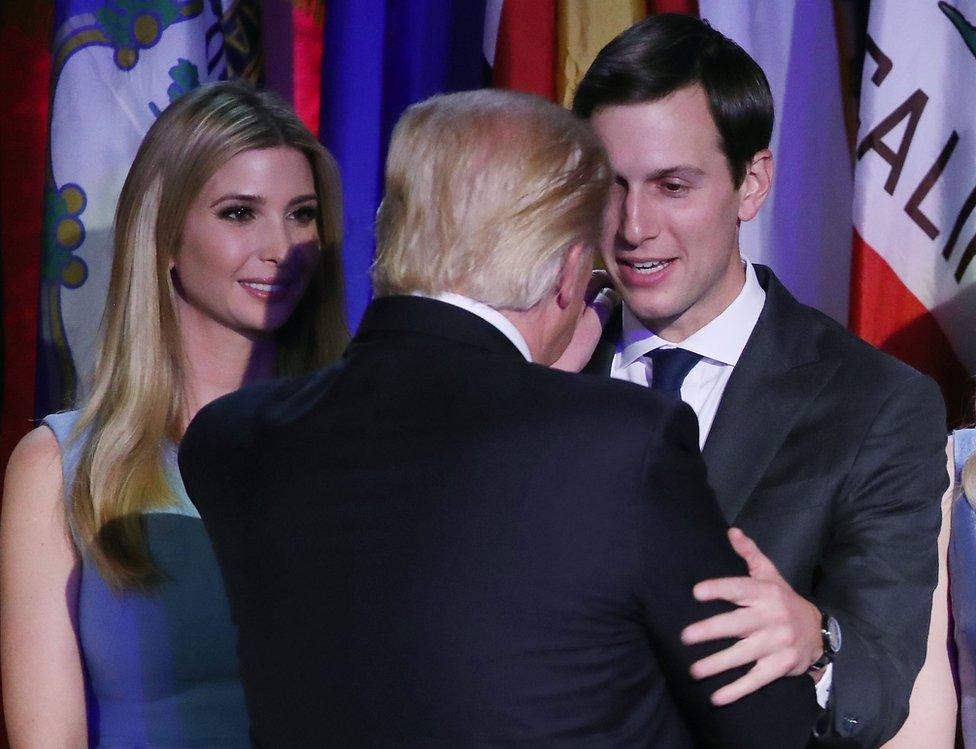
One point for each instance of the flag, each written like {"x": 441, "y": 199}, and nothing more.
{"x": 307, "y": 64}
{"x": 584, "y": 28}
{"x": 803, "y": 231}
{"x": 520, "y": 45}
{"x": 291, "y": 47}
{"x": 116, "y": 64}
{"x": 377, "y": 59}
{"x": 25, "y": 67}
{"x": 912, "y": 290}
{"x": 545, "y": 47}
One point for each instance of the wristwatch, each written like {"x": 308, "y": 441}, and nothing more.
{"x": 832, "y": 641}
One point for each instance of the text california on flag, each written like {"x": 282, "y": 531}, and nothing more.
{"x": 116, "y": 65}
{"x": 915, "y": 183}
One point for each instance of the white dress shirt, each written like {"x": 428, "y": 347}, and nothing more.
{"x": 489, "y": 314}
{"x": 720, "y": 344}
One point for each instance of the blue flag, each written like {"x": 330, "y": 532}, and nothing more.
{"x": 380, "y": 56}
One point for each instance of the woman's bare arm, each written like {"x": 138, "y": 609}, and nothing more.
{"x": 40, "y": 662}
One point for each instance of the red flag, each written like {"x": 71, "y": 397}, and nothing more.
{"x": 525, "y": 51}
{"x": 25, "y": 71}
{"x": 688, "y": 7}
{"x": 307, "y": 57}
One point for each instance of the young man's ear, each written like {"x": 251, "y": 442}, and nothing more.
{"x": 756, "y": 184}
{"x": 574, "y": 275}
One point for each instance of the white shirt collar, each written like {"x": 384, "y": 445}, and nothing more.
{"x": 722, "y": 340}
{"x": 489, "y": 314}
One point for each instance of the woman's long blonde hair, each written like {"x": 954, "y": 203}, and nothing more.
{"x": 137, "y": 398}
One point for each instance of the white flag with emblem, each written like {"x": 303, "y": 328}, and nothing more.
{"x": 913, "y": 290}
{"x": 115, "y": 65}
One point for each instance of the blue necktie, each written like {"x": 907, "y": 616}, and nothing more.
{"x": 670, "y": 367}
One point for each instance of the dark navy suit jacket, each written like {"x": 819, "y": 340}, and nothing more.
{"x": 831, "y": 455}
{"x": 437, "y": 544}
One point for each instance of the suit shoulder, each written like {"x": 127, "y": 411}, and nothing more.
{"x": 235, "y": 416}
{"x": 597, "y": 398}
{"x": 600, "y": 387}
{"x": 861, "y": 360}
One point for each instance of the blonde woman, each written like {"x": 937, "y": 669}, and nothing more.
{"x": 114, "y": 627}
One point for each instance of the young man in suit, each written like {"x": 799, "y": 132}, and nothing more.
{"x": 824, "y": 451}
{"x": 419, "y": 548}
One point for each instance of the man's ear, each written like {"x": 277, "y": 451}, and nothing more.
{"x": 573, "y": 276}
{"x": 756, "y": 184}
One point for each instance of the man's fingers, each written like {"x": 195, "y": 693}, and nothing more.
{"x": 599, "y": 279}
{"x": 739, "y": 590}
{"x": 738, "y": 623}
{"x": 601, "y": 297}
{"x": 745, "y": 547}
{"x": 739, "y": 654}
{"x": 765, "y": 671}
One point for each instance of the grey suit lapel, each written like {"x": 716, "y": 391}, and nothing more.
{"x": 777, "y": 377}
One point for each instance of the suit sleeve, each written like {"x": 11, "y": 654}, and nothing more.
{"x": 881, "y": 565}
{"x": 215, "y": 468}
{"x": 695, "y": 547}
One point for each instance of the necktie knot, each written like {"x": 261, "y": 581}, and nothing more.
{"x": 669, "y": 367}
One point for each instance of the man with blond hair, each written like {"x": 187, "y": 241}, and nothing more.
{"x": 419, "y": 547}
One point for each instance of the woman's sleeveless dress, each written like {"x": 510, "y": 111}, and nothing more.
{"x": 161, "y": 667}
{"x": 962, "y": 581}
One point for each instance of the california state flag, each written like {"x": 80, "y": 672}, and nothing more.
{"x": 912, "y": 284}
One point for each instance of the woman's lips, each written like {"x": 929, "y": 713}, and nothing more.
{"x": 266, "y": 289}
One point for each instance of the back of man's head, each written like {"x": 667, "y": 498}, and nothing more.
{"x": 672, "y": 51}
{"x": 485, "y": 192}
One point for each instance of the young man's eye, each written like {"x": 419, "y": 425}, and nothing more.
{"x": 236, "y": 213}
{"x": 674, "y": 188}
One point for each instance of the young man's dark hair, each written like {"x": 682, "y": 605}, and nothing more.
{"x": 668, "y": 52}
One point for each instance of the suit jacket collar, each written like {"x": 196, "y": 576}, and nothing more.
{"x": 399, "y": 316}
{"x": 779, "y": 373}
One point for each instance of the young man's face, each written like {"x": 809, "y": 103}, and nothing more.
{"x": 674, "y": 255}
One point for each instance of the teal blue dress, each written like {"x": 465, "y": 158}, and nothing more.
{"x": 161, "y": 667}
{"x": 962, "y": 581}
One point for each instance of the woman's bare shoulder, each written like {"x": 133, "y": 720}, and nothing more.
{"x": 39, "y": 447}
{"x": 34, "y": 467}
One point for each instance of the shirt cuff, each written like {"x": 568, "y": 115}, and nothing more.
{"x": 823, "y": 686}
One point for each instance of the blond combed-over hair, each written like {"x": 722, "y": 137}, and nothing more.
{"x": 485, "y": 192}
{"x": 137, "y": 400}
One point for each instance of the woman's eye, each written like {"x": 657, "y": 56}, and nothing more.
{"x": 306, "y": 214}
{"x": 237, "y": 213}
